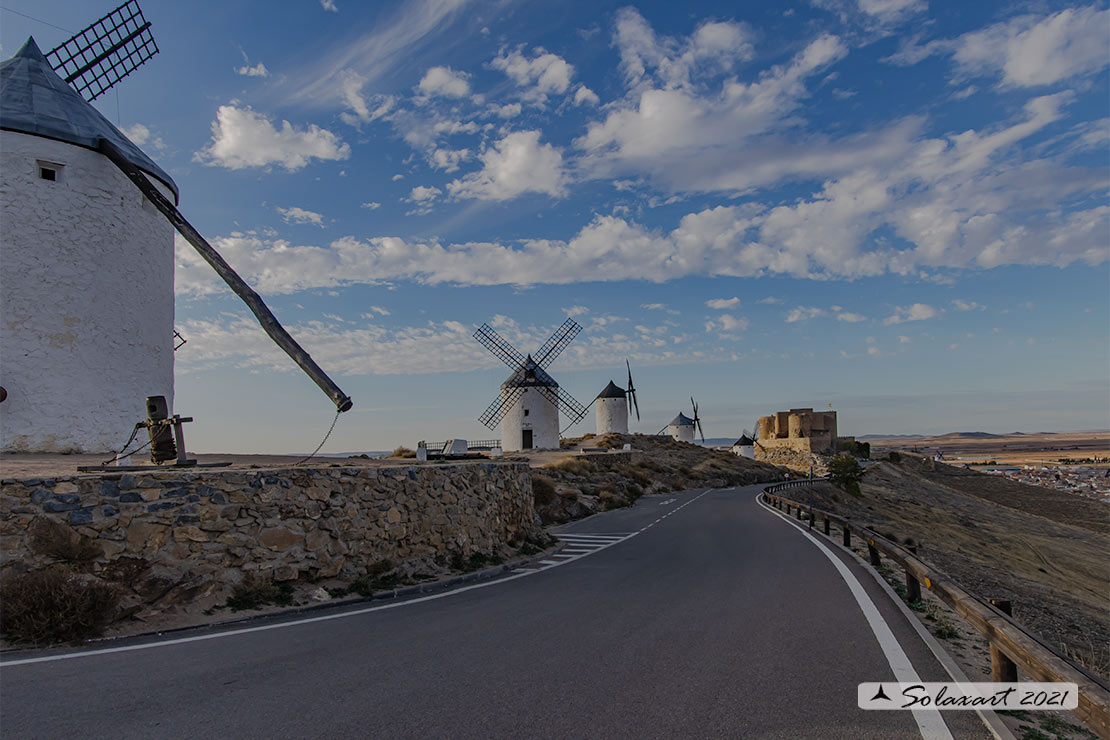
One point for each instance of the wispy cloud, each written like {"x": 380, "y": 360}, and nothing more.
{"x": 914, "y": 312}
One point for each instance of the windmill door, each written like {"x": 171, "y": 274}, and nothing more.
{"x": 526, "y": 439}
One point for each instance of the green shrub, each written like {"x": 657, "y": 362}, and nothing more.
{"x": 844, "y": 471}
{"x": 56, "y": 604}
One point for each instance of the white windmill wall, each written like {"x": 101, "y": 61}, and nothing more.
{"x": 611, "y": 415}
{"x": 747, "y": 451}
{"x": 542, "y": 418}
{"x": 683, "y": 433}
{"x": 86, "y": 299}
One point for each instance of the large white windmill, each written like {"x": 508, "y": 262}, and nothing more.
{"x": 87, "y": 302}
{"x": 527, "y": 408}
{"x": 611, "y": 406}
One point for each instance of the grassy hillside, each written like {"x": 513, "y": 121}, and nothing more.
{"x": 574, "y": 487}
{"x": 1044, "y": 550}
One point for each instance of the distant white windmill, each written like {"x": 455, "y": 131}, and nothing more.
{"x": 682, "y": 427}
{"x": 611, "y": 406}
{"x": 529, "y": 402}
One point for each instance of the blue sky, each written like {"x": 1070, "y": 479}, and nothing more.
{"x": 898, "y": 207}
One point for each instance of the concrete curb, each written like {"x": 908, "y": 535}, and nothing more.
{"x": 442, "y": 584}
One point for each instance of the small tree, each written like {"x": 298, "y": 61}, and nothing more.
{"x": 845, "y": 472}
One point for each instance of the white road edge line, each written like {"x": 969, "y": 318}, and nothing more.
{"x": 324, "y": 617}
{"x": 929, "y": 721}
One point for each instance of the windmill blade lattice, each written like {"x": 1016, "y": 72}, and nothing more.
{"x": 557, "y": 342}
{"x": 529, "y": 366}
{"x": 98, "y": 57}
{"x": 492, "y": 416}
{"x": 500, "y": 348}
{"x": 697, "y": 419}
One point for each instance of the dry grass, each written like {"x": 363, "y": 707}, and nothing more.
{"x": 1032, "y": 547}
{"x": 543, "y": 490}
{"x": 403, "y": 452}
{"x": 56, "y": 604}
{"x": 56, "y": 540}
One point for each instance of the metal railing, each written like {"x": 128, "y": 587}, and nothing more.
{"x": 1011, "y": 645}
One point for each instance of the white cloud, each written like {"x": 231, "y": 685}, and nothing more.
{"x": 446, "y": 82}
{"x": 903, "y": 339}
{"x": 891, "y": 10}
{"x": 141, "y": 136}
{"x": 371, "y": 205}
{"x": 509, "y": 110}
{"x": 585, "y": 96}
{"x": 723, "y": 303}
{"x": 543, "y": 75}
{"x": 874, "y": 351}
{"x": 329, "y": 5}
{"x": 448, "y": 159}
{"x": 351, "y": 84}
{"x": 962, "y": 305}
{"x": 804, "y": 313}
{"x": 258, "y": 70}
{"x": 769, "y": 300}
{"x": 576, "y": 311}
{"x": 1026, "y": 51}
{"x": 915, "y": 312}
{"x": 243, "y": 138}
{"x": 683, "y": 137}
{"x": 378, "y": 310}
{"x": 297, "y": 215}
{"x": 653, "y": 306}
{"x": 732, "y": 323}
{"x": 851, "y": 318}
{"x": 516, "y": 164}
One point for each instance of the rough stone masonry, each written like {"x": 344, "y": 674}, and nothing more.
{"x": 203, "y": 530}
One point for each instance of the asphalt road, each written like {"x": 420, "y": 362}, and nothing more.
{"x": 717, "y": 620}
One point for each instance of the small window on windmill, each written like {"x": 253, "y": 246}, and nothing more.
{"x": 50, "y": 171}
{"x": 526, "y": 412}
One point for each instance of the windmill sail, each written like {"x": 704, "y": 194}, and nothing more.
{"x": 96, "y": 58}
{"x": 265, "y": 317}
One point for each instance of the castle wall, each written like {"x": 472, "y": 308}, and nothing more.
{"x": 86, "y": 299}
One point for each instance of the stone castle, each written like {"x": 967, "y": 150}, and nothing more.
{"x": 800, "y": 430}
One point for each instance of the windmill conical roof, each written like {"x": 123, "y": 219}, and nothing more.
{"x": 528, "y": 375}
{"x": 744, "y": 441}
{"x": 612, "y": 391}
{"x": 682, "y": 420}
{"x": 35, "y": 100}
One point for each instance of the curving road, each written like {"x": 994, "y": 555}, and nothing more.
{"x": 698, "y": 614}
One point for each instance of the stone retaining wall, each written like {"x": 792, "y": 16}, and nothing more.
{"x": 202, "y": 530}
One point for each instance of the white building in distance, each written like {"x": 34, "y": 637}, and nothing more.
{"x": 681, "y": 428}
{"x": 532, "y": 421}
{"x": 86, "y": 295}
{"x": 611, "y": 410}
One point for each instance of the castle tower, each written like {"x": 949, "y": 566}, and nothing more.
{"x": 611, "y": 410}
{"x": 86, "y": 293}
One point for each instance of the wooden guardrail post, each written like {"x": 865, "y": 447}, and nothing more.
{"x": 826, "y": 525}
{"x": 812, "y": 518}
{"x": 1003, "y": 670}
{"x": 847, "y": 535}
{"x": 913, "y": 586}
{"x": 873, "y": 554}
{"x": 798, "y": 513}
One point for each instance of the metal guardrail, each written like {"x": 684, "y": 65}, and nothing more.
{"x": 1011, "y": 645}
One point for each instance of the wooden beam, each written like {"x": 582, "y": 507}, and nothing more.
{"x": 254, "y": 302}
